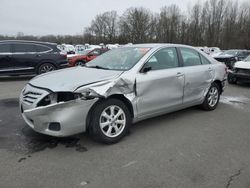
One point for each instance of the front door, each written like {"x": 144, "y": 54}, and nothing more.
{"x": 161, "y": 88}
{"x": 6, "y": 64}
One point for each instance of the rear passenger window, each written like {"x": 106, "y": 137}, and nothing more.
{"x": 40, "y": 48}
{"x": 5, "y": 48}
{"x": 163, "y": 59}
{"x": 190, "y": 57}
{"x": 24, "y": 48}
{"x": 204, "y": 60}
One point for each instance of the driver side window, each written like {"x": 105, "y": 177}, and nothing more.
{"x": 163, "y": 59}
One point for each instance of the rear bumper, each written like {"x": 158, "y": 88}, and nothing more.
{"x": 63, "y": 64}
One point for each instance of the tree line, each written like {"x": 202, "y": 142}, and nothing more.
{"x": 222, "y": 23}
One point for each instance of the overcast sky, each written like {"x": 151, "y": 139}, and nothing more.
{"x": 42, "y": 17}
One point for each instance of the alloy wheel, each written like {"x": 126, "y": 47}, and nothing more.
{"x": 46, "y": 68}
{"x": 112, "y": 121}
{"x": 213, "y": 96}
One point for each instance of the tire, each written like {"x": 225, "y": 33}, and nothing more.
{"x": 46, "y": 67}
{"x": 106, "y": 128}
{"x": 231, "y": 79}
{"x": 212, "y": 98}
{"x": 80, "y": 63}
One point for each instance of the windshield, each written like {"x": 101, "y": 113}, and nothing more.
{"x": 230, "y": 52}
{"x": 119, "y": 59}
{"x": 247, "y": 59}
{"x": 85, "y": 52}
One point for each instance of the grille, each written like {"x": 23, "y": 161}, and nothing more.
{"x": 243, "y": 71}
{"x": 32, "y": 95}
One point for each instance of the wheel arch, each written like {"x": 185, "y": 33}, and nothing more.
{"x": 115, "y": 96}
{"x": 218, "y": 82}
{"x": 45, "y": 61}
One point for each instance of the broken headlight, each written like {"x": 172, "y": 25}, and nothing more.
{"x": 88, "y": 94}
{"x": 53, "y": 98}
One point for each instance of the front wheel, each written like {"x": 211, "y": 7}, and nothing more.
{"x": 110, "y": 121}
{"x": 212, "y": 98}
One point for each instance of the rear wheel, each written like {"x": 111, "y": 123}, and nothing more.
{"x": 110, "y": 121}
{"x": 212, "y": 98}
{"x": 46, "y": 67}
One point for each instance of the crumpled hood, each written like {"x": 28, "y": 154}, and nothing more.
{"x": 242, "y": 65}
{"x": 72, "y": 78}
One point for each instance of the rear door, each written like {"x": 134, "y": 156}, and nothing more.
{"x": 5, "y": 58}
{"x": 160, "y": 89}
{"x": 24, "y": 57}
{"x": 198, "y": 75}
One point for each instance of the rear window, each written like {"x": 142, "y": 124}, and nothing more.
{"x": 204, "y": 60}
{"x": 23, "y": 48}
{"x": 5, "y": 48}
{"x": 41, "y": 48}
{"x": 190, "y": 57}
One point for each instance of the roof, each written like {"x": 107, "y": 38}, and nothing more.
{"x": 27, "y": 41}
{"x": 158, "y": 45}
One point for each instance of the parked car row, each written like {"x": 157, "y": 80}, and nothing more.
{"x": 85, "y": 57}
{"x": 28, "y": 57}
{"x": 80, "y": 48}
{"x": 240, "y": 72}
{"x": 18, "y": 57}
{"x": 25, "y": 57}
{"x": 229, "y": 57}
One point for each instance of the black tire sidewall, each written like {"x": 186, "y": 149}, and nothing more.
{"x": 205, "y": 104}
{"x": 82, "y": 63}
{"x": 94, "y": 126}
{"x": 39, "y": 68}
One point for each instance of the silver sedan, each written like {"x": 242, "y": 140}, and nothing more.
{"x": 123, "y": 86}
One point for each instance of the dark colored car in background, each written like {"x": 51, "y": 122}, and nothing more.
{"x": 28, "y": 57}
{"x": 87, "y": 56}
{"x": 229, "y": 57}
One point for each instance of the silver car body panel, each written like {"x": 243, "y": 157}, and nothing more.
{"x": 150, "y": 94}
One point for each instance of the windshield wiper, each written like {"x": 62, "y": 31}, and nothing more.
{"x": 98, "y": 67}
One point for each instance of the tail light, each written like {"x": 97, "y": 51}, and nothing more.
{"x": 64, "y": 55}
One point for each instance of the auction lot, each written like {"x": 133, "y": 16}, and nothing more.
{"x": 189, "y": 148}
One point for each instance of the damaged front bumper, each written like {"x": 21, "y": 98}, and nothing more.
{"x": 58, "y": 119}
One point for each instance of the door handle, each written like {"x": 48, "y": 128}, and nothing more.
{"x": 210, "y": 69}
{"x": 179, "y": 74}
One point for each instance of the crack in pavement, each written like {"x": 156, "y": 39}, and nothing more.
{"x": 231, "y": 178}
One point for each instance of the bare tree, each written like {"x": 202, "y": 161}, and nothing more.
{"x": 222, "y": 23}
{"x": 168, "y": 29}
{"x": 137, "y": 25}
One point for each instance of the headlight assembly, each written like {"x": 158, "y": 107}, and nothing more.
{"x": 89, "y": 94}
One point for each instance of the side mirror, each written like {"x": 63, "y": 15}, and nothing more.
{"x": 146, "y": 69}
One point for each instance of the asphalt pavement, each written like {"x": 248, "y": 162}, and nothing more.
{"x": 189, "y": 148}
